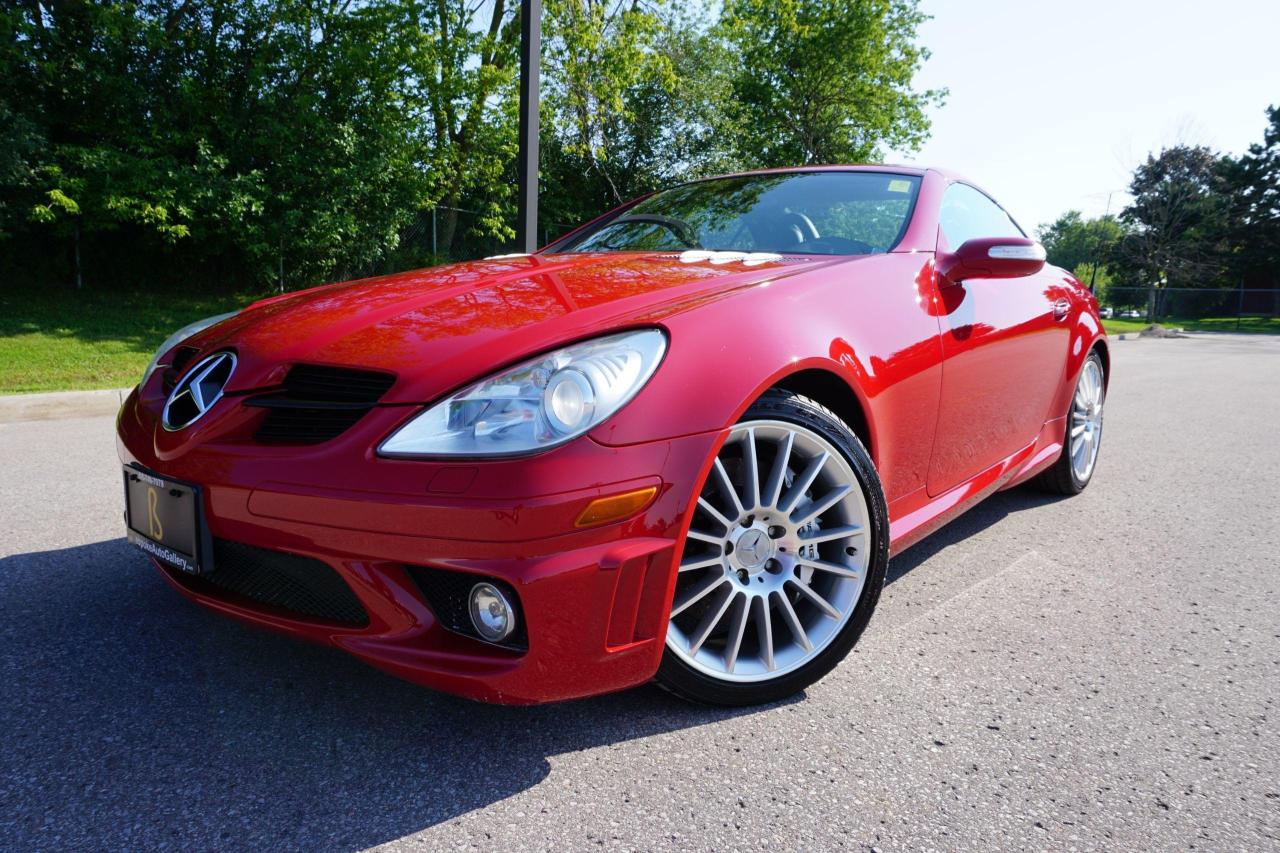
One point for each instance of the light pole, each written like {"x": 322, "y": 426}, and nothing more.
{"x": 527, "y": 163}
{"x": 1097, "y": 245}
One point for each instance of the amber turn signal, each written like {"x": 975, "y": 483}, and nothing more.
{"x": 615, "y": 507}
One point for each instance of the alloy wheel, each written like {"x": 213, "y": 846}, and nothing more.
{"x": 1086, "y": 420}
{"x": 776, "y": 556}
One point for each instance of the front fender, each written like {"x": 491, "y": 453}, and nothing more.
{"x": 1086, "y": 333}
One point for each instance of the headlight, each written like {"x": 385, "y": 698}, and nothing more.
{"x": 536, "y": 405}
{"x": 180, "y": 336}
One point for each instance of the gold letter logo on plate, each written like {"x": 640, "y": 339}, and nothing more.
{"x": 153, "y": 522}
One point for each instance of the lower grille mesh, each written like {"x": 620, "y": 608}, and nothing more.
{"x": 299, "y": 585}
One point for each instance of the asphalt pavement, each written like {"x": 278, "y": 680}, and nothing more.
{"x": 1092, "y": 673}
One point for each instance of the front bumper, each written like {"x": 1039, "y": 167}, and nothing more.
{"x": 594, "y": 601}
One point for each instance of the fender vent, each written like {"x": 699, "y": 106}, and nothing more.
{"x": 316, "y": 403}
{"x": 640, "y": 585}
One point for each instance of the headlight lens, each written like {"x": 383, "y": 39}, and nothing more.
{"x": 536, "y": 405}
{"x": 180, "y": 336}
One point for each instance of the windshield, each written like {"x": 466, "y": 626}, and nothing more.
{"x": 811, "y": 213}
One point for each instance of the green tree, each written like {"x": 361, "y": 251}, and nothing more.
{"x": 1253, "y": 183}
{"x": 288, "y": 141}
{"x": 1083, "y": 247}
{"x": 1178, "y": 223}
{"x": 462, "y": 61}
{"x": 21, "y": 148}
{"x": 1100, "y": 278}
{"x": 633, "y": 101}
{"x": 600, "y": 60}
{"x": 826, "y": 81}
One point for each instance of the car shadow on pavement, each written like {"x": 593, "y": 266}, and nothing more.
{"x": 990, "y": 511}
{"x": 131, "y": 718}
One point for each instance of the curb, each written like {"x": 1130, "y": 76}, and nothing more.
{"x": 61, "y": 404}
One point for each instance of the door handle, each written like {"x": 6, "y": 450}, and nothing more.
{"x": 1061, "y": 307}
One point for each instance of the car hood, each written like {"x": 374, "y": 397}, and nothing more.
{"x": 439, "y": 328}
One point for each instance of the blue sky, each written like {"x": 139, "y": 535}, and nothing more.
{"x": 1052, "y": 103}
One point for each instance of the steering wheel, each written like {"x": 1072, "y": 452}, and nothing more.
{"x": 832, "y": 246}
{"x": 683, "y": 231}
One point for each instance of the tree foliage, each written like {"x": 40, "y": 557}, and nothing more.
{"x": 633, "y": 101}
{"x": 1253, "y": 182}
{"x": 1196, "y": 219}
{"x": 289, "y": 141}
{"x": 255, "y": 136}
{"x": 1072, "y": 241}
{"x": 1178, "y": 216}
{"x": 825, "y": 81}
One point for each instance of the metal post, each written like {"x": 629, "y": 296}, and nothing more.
{"x": 1240, "y": 304}
{"x": 1097, "y": 246}
{"x": 527, "y": 164}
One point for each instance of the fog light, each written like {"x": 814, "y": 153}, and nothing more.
{"x": 492, "y": 615}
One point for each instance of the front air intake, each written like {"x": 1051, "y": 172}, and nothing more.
{"x": 300, "y": 587}
{"x": 316, "y": 403}
{"x": 181, "y": 358}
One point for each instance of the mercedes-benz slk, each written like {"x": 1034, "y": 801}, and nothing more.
{"x": 680, "y": 443}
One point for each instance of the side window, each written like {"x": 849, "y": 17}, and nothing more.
{"x": 967, "y": 213}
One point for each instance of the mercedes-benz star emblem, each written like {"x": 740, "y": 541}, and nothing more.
{"x": 196, "y": 393}
{"x": 751, "y": 547}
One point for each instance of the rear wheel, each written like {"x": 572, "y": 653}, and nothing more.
{"x": 784, "y": 559}
{"x": 1083, "y": 434}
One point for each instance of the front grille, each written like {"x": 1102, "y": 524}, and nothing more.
{"x": 447, "y": 593}
{"x": 298, "y": 585}
{"x": 316, "y": 403}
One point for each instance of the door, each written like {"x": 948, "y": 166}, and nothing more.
{"x": 1004, "y": 351}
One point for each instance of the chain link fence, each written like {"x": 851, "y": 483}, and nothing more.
{"x": 443, "y": 235}
{"x": 1241, "y": 306}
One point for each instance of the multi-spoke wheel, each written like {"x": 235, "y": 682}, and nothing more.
{"x": 783, "y": 561}
{"x": 1074, "y": 468}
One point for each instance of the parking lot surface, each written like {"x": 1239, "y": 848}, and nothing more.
{"x": 1099, "y": 672}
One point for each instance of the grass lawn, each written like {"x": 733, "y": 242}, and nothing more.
{"x": 60, "y": 340}
{"x": 1255, "y": 325}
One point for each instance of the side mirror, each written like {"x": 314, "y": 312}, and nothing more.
{"x": 992, "y": 257}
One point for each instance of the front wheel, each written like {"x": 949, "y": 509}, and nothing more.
{"x": 784, "y": 560}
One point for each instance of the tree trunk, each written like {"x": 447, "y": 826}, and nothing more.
{"x": 448, "y": 226}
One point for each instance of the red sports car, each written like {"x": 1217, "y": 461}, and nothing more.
{"x": 679, "y": 443}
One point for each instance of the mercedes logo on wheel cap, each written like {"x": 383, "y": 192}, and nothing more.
{"x": 753, "y": 548}
{"x": 196, "y": 393}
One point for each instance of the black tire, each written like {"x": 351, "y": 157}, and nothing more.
{"x": 678, "y": 677}
{"x": 1060, "y": 478}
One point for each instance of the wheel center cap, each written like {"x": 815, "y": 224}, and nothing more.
{"x": 753, "y": 548}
